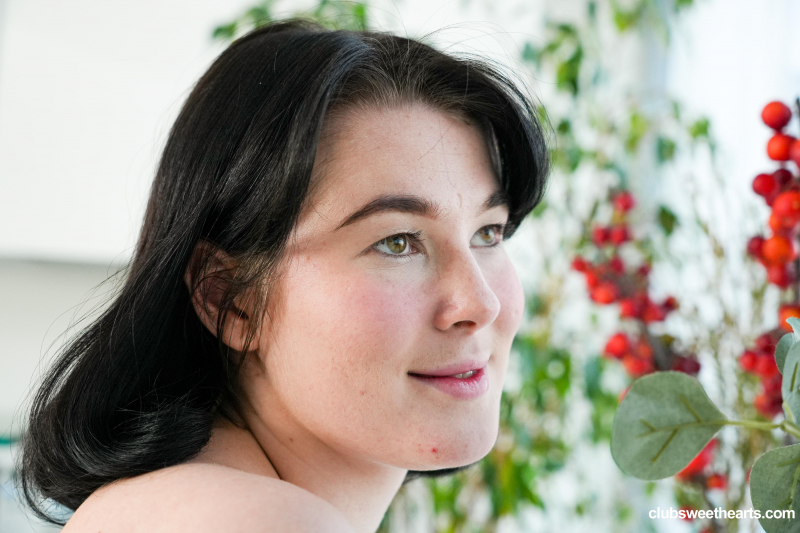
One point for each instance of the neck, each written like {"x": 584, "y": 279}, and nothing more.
{"x": 361, "y": 489}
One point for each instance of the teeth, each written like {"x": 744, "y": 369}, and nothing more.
{"x": 466, "y": 375}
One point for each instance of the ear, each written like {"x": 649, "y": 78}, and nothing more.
{"x": 209, "y": 276}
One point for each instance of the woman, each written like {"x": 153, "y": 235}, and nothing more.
{"x": 319, "y": 306}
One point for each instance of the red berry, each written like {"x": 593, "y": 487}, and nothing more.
{"x": 766, "y": 367}
{"x": 579, "y": 264}
{"x": 772, "y": 386}
{"x": 629, "y": 308}
{"x": 617, "y": 346}
{"x": 777, "y": 250}
{"x": 766, "y": 343}
{"x": 688, "y": 511}
{"x": 605, "y": 293}
{"x": 717, "y": 481}
{"x": 754, "y": 246}
{"x": 619, "y": 234}
{"x": 783, "y": 177}
{"x": 780, "y": 275}
{"x": 686, "y": 365}
{"x": 643, "y": 350}
{"x": 787, "y": 311}
{"x": 778, "y": 147}
{"x": 787, "y": 206}
{"x": 617, "y": 265}
{"x": 653, "y": 313}
{"x": 699, "y": 463}
{"x": 600, "y": 235}
{"x": 768, "y": 406}
{"x": 592, "y": 280}
{"x": 670, "y": 304}
{"x": 765, "y": 185}
{"x": 637, "y": 366}
{"x": 623, "y": 202}
{"x": 776, "y": 115}
{"x": 748, "y": 361}
{"x": 794, "y": 152}
{"x": 780, "y": 225}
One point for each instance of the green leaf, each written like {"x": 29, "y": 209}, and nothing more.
{"x": 791, "y": 370}
{"x": 568, "y": 71}
{"x": 667, "y": 220}
{"x": 773, "y": 486}
{"x": 790, "y": 386}
{"x": 638, "y": 127}
{"x": 782, "y": 349}
{"x": 795, "y": 323}
{"x": 360, "y": 16}
{"x": 225, "y": 31}
{"x": 662, "y": 424}
{"x": 665, "y": 149}
{"x": 699, "y": 129}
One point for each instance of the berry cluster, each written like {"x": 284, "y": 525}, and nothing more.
{"x": 777, "y": 253}
{"x": 781, "y": 147}
{"x": 610, "y": 281}
{"x": 759, "y": 360}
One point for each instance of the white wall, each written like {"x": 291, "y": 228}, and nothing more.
{"x": 40, "y": 301}
{"x": 87, "y": 91}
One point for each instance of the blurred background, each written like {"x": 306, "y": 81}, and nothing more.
{"x": 655, "y": 115}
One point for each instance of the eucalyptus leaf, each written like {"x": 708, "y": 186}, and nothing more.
{"x": 795, "y": 323}
{"x": 782, "y": 349}
{"x": 663, "y": 422}
{"x": 773, "y": 486}
{"x": 791, "y": 406}
{"x": 791, "y": 371}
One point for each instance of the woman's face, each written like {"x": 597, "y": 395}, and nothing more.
{"x": 365, "y": 311}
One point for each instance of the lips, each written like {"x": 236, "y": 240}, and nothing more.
{"x": 451, "y": 370}
{"x": 464, "y": 382}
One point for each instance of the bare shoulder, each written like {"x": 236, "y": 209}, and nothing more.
{"x": 204, "y": 498}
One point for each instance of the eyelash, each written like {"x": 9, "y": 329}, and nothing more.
{"x": 414, "y": 239}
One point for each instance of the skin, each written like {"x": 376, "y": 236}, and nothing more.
{"x": 334, "y": 421}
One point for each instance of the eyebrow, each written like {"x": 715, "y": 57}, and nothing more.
{"x": 416, "y": 205}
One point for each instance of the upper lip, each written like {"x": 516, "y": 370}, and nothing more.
{"x": 453, "y": 369}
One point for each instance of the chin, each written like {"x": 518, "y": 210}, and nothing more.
{"x": 456, "y": 448}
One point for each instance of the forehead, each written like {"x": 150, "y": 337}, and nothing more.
{"x": 411, "y": 149}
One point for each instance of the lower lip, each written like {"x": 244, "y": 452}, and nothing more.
{"x": 464, "y": 389}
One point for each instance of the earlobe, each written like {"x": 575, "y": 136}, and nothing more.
{"x": 209, "y": 279}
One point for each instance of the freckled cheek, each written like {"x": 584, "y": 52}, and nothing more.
{"x": 367, "y": 326}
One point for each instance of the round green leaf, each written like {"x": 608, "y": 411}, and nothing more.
{"x": 662, "y": 424}
{"x": 795, "y": 324}
{"x": 791, "y": 371}
{"x": 773, "y": 486}
{"x": 782, "y": 349}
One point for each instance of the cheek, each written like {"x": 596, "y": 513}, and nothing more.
{"x": 344, "y": 340}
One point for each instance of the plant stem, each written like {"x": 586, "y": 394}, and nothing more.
{"x": 790, "y": 428}
{"x": 755, "y": 424}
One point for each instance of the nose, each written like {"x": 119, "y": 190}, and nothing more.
{"x": 466, "y": 300}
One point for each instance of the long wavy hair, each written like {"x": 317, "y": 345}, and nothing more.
{"x": 138, "y": 389}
